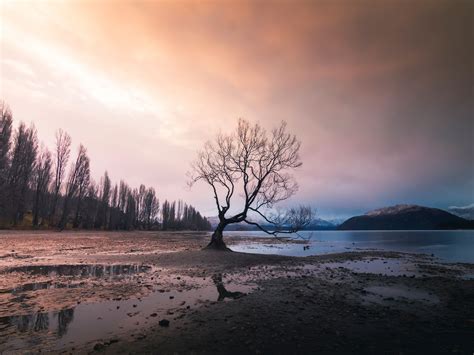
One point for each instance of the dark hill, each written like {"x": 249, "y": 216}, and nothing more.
{"x": 401, "y": 217}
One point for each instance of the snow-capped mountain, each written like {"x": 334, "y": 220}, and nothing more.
{"x": 463, "y": 211}
{"x": 393, "y": 210}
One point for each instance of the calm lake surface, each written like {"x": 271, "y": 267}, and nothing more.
{"x": 450, "y": 246}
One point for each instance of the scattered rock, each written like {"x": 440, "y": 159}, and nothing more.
{"x": 99, "y": 347}
{"x": 164, "y": 323}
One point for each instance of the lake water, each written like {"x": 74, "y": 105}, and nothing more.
{"x": 451, "y": 246}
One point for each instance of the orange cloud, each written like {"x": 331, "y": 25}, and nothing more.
{"x": 371, "y": 87}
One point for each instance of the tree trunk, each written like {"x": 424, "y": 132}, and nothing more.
{"x": 63, "y": 221}
{"x": 217, "y": 242}
{"x": 36, "y": 208}
{"x": 52, "y": 215}
{"x": 75, "y": 224}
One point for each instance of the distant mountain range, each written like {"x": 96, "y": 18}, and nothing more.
{"x": 398, "y": 217}
{"x": 401, "y": 217}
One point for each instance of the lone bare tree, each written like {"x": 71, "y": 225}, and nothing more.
{"x": 257, "y": 164}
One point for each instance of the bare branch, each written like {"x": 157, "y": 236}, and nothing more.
{"x": 287, "y": 222}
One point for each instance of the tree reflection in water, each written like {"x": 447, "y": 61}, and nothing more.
{"x": 65, "y": 317}
{"x": 39, "y": 322}
{"x": 223, "y": 293}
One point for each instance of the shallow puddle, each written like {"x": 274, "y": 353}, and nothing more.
{"x": 93, "y": 322}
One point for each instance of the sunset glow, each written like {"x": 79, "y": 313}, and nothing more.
{"x": 380, "y": 95}
{"x": 236, "y": 176}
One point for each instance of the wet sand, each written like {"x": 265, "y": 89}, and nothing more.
{"x": 109, "y": 292}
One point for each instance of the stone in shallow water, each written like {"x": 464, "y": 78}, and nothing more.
{"x": 164, "y": 323}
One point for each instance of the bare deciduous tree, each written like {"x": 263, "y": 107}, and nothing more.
{"x": 78, "y": 174}
{"x": 91, "y": 203}
{"x": 113, "y": 220}
{"x": 140, "y": 203}
{"x": 6, "y": 120}
{"x": 105, "y": 191}
{"x": 21, "y": 170}
{"x": 83, "y": 183}
{"x": 150, "y": 207}
{"x": 42, "y": 179}
{"x": 35, "y": 182}
{"x": 130, "y": 211}
{"x": 257, "y": 164}
{"x": 62, "y": 152}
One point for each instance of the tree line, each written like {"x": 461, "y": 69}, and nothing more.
{"x": 38, "y": 189}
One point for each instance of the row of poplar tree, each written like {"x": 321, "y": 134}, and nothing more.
{"x": 34, "y": 183}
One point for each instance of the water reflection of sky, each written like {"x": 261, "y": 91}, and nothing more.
{"x": 452, "y": 246}
{"x": 89, "y": 322}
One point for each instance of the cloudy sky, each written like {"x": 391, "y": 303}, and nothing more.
{"x": 379, "y": 92}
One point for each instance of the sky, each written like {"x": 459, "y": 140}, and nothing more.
{"x": 380, "y": 93}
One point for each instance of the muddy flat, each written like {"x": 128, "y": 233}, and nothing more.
{"x": 144, "y": 292}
